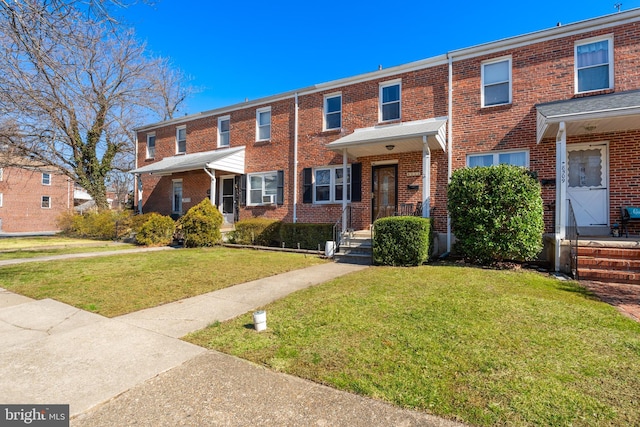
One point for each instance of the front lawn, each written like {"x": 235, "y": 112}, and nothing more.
{"x": 119, "y": 284}
{"x": 480, "y": 346}
{"x": 63, "y": 250}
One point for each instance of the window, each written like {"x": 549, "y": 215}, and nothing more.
{"x": 516, "y": 158}
{"x": 263, "y": 123}
{"x": 594, "y": 65}
{"x": 46, "y": 178}
{"x": 389, "y": 101}
{"x": 46, "y": 202}
{"x": 1, "y": 173}
{"x": 223, "y": 131}
{"x": 151, "y": 145}
{"x": 263, "y": 188}
{"x": 329, "y": 184}
{"x": 496, "y": 82}
{"x": 176, "y": 203}
{"x": 0, "y": 200}
{"x": 181, "y": 140}
{"x": 332, "y": 111}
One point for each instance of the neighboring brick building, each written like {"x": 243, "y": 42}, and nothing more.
{"x": 31, "y": 199}
{"x": 563, "y": 102}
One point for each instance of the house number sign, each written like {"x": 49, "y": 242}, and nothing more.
{"x": 413, "y": 173}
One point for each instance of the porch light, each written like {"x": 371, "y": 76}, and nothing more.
{"x": 390, "y": 147}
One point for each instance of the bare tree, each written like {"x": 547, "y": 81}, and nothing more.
{"x": 73, "y": 84}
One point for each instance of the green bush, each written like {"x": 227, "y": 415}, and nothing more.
{"x": 104, "y": 225}
{"x": 496, "y": 213}
{"x": 256, "y": 231}
{"x": 401, "y": 240}
{"x": 157, "y": 230}
{"x": 309, "y": 236}
{"x": 201, "y": 225}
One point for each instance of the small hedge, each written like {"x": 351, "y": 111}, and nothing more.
{"x": 200, "y": 226}
{"x": 401, "y": 240}
{"x": 256, "y": 231}
{"x": 309, "y": 236}
{"x": 103, "y": 225}
{"x": 157, "y": 230}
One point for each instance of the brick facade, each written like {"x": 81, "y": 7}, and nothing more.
{"x": 542, "y": 71}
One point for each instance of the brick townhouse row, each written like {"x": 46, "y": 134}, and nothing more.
{"x": 562, "y": 102}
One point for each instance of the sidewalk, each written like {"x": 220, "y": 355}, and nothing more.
{"x": 55, "y": 353}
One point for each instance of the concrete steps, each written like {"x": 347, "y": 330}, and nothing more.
{"x": 609, "y": 264}
{"x": 356, "y": 248}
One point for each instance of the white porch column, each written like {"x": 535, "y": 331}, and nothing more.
{"x": 561, "y": 189}
{"x": 212, "y": 175}
{"x": 426, "y": 178}
{"x": 139, "y": 179}
{"x": 344, "y": 190}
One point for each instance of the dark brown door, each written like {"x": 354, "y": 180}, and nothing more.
{"x": 385, "y": 189}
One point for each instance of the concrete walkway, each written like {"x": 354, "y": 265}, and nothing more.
{"x": 133, "y": 370}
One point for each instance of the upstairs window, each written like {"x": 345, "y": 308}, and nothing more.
{"x": 390, "y": 101}
{"x": 496, "y": 82}
{"x": 223, "y": 131}
{"x": 151, "y": 145}
{"x": 46, "y": 178}
{"x": 181, "y": 140}
{"x": 0, "y": 200}
{"x": 332, "y": 112}
{"x": 516, "y": 158}
{"x": 263, "y": 124}
{"x": 1, "y": 173}
{"x": 594, "y": 65}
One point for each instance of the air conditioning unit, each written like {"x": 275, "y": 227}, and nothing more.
{"x": 268, "y": 199}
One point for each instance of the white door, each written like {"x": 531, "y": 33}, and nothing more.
{"x": 587, "y": 186}
{"x": 227, "y": 199}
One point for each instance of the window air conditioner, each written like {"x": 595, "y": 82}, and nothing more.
{"x": 268, "y": 199}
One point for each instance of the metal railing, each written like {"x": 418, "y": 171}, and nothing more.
{"x": 572, "y": 235}
{"x": 338, "y": 226}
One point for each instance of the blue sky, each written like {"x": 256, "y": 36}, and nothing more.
{"x": 250, "y": 49}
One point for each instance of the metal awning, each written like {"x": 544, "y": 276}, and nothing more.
{"x": 591, "y": 114}
{"x": 396, "y": 138}
{"x": 224, "y": 159}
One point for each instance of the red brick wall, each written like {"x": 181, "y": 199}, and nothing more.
{"x": 22, "y": 192}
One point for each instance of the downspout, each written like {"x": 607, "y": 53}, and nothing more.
{"x": 295, "y": 160}
{"x": 139, "y": 180}
{"x": 137, "y": 183}
{"x": 213, "y": 185}
{"x": 449, "y": 144}
{"x": 426, "y": 178}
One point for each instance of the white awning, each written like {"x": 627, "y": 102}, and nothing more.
{"x": 224, "y": 159}
{"x": 396, "y": 138}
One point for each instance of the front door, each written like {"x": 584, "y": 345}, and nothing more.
{"x": 385, "y": 189}
{"x": 587, "y": 187}
{"x": 227, "y": 196}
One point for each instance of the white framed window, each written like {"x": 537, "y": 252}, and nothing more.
{"x": 513, "y": 157}
{"x": 496, "y": 82}
{"x": 594, "y": 64}
{"x": 151, "y": 145}
{"x": 333, "y": 111}
{"x": 390, "y": 100}
{"x": 328, "y": 184}
{"x": 46, "y": 178}
{"x": 0, "y": 200}
{"x": 176, "y": 199}
{"x": 1, "y": 174}
{"x": 262, "y": 188}
{"x": 263, "y": 124}
{"x": 46, "y": 202}
{"x": 223, "y": 131}
{"x": 181, "y": 140}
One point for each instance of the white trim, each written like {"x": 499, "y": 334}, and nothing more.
{"x": 332, "y": 183}
{"x": 0, "y": 200}
{"x": 228, "y": 132}
{"x": 324, "y": 110}
{"x": 42, "y": 202}
{"x": 221, "y": 194}
{"x": 381, "y": 87}
{"x": 262, "y": 190}
{"x": 173, "y": 196}
{"x": 50, "y": 178}
{"x": 178, "y": 129}
{"x": 151, "y": 135}
{"x": 508, "y": 59}
{"x": 590, "y": 40}
{"x": 1, "y": 174}
{"x": 496, "y": 155}
{"x": 260, "y": 111}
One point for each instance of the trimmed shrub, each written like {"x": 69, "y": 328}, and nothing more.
{"x": 496, "y": 213}
{"x": 157, "y": 230}
{"x": 401, "y": 240}
{"x": 308, "y": 235}
{"x": 201, "y": 225}
{"x": 104, "y": 225}
{"x": 256, "y": 231}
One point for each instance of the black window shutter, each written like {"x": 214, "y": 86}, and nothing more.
{"x": 356, "y": 182}
{"x": 280, "y": 194}
{"x": 307, "y": 186}
{"x": 243, "y": 190}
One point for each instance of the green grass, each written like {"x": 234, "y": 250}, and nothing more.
{"x": 16, "y": 243}
{"x": 120, "y": 284}
{"x": 63, "y": 250}
{"x": 480, "y": 346}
